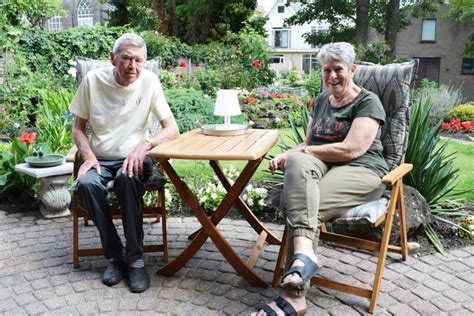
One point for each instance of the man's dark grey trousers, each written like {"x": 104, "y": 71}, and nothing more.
{"x": 92, "y": 191}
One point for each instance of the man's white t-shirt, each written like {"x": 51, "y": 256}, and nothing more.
{"x": 118, "y": 115}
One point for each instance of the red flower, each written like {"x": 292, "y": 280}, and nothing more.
{"x": 250, "y": 100}
{"x": 28, "y": 137}
{"x": 256, "y": 63}
{"x": 310, "y": 103}
{"x": 467, "y": 126}
{"x": 445, "y": 126}
{"x": 182, "y": 64}
{"x": 455, "y": 125}
{"x": 276, "y": 95}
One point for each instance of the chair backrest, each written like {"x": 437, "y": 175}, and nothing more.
{"x": 83, "y": 65}
{"x": 393, "y": 83}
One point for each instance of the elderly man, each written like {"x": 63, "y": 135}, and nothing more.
{"x": 116, "y": 102}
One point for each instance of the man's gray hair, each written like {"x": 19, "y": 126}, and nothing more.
{"x": 341, "y": 51}
{"x": 128, "y": 39}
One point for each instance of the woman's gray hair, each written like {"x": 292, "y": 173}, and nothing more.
{"x": 128, "y": 39}
{"x": 341, "y": 51}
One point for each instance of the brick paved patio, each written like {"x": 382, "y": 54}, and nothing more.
{"x": 37, "y": 276}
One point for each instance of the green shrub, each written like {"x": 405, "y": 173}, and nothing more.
{"x": 313, "y": 83}
{"x": 189, "y": 106}
{"x": 168, "y": 79}
{"x": 443, "y": 98}
{"x": 464, "y": 112}
{"x": 208, "y": 81}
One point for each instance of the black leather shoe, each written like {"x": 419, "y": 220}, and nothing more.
{"x": 114, "y": 273}
{"x": 138, "y": 279}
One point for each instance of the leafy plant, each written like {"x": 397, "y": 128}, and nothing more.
{"x": 255, "y": 197}
{"x": 14, "y": 184}
{"x": 54, "y": 121}
{"x": 313, "y": 83}
{"x": 433, "y": 174}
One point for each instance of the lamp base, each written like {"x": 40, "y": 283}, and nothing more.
{"x": 224, "y": 129}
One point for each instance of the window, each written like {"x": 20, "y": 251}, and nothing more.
{"x": 321, "y": 29}
{"x": 84, "y": 14}
{"x": 276, "y": 59}
{"x": 281, "y": 38}
{"x": 281, "y": 9}
{"x": 55, "y": 23}
{"x": 468, "y": 66}
{"x": 310, "y": 62}
{"x": 428, "y": 31}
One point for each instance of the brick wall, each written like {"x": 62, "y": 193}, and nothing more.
{"x": 451, "y": 38}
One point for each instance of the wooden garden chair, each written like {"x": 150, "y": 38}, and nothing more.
{"x": 393, "y": 84}
{"x": 155, "y": 183}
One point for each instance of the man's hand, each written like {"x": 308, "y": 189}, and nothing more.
{"x": 278, "y": 162}
{"x": 133, "y": 164}
{"x": 88, "y": 164}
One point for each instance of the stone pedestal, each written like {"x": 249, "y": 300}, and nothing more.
{"x": 53, "y": 192}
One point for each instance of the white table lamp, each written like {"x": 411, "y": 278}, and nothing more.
{"x": 227, "y": 105}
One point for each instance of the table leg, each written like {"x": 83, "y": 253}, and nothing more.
{"x": 208, "y": 224}
{"x": 244, "y": 209}
{"x": 54, "y": 196}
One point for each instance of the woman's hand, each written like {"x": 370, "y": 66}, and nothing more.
{"x": 278, "y": 162}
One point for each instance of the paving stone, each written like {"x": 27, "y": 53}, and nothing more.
{"x": 436, "y": 285}
{"x": 425, "y": 292}
{"x": 445, "y": 304}
{"x": 424, "y": 307}
{"x": 55, "y": 303}
{"x": 403, "y": 296}
{"x": 401, "y": 309}
{"x": 24, "y": 299}
{"x": 35, "y": 308}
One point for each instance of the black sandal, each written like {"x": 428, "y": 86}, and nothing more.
{"x": 305, "y": 272}
{"x": 285, "y": 307}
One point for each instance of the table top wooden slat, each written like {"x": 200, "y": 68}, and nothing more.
{"x": 195, "y": 145}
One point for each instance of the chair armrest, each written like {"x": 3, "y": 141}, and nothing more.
{"x": 71, "y": 155}
{"x": 397, "y": 173}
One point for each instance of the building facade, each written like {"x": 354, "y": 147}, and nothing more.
{"x": 290, "y": 51}
{"x": 80, "y": 13}
{"x": 439, "y": 44}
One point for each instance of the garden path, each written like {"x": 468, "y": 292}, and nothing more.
{"x": 37, "y": 276}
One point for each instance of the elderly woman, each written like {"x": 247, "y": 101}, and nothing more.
{"x": 339, "y": 166}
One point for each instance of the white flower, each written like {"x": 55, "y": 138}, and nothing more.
{"x": 261, "y": 203}
{"x": 250, "y": 202}
{"x": 249, "y": 187}
{"x": 213, "y": 196}
{"x": 244, "y": 197}
{"x": 16, "y": 125}
{"x": 72, "y": 72}
{"x": 72, "y": 62}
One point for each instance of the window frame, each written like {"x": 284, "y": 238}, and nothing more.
{"x": 471, "y": 61}
{"x": 423, "y": 40}
{"x": 288, "y": 37}
{"x": 85, "y": 15}
{"x": 55, "y": 23}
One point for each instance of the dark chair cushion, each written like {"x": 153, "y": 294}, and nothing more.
{"x": 393, "y": 83}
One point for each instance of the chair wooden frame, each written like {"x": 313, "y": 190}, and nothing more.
{"x": 158, "y": 212}
{"x": 394, "y": 179}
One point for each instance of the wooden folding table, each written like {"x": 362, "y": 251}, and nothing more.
{"x": 250, "y": 147}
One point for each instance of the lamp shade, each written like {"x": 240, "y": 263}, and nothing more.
{"x": 227, "y": 103}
